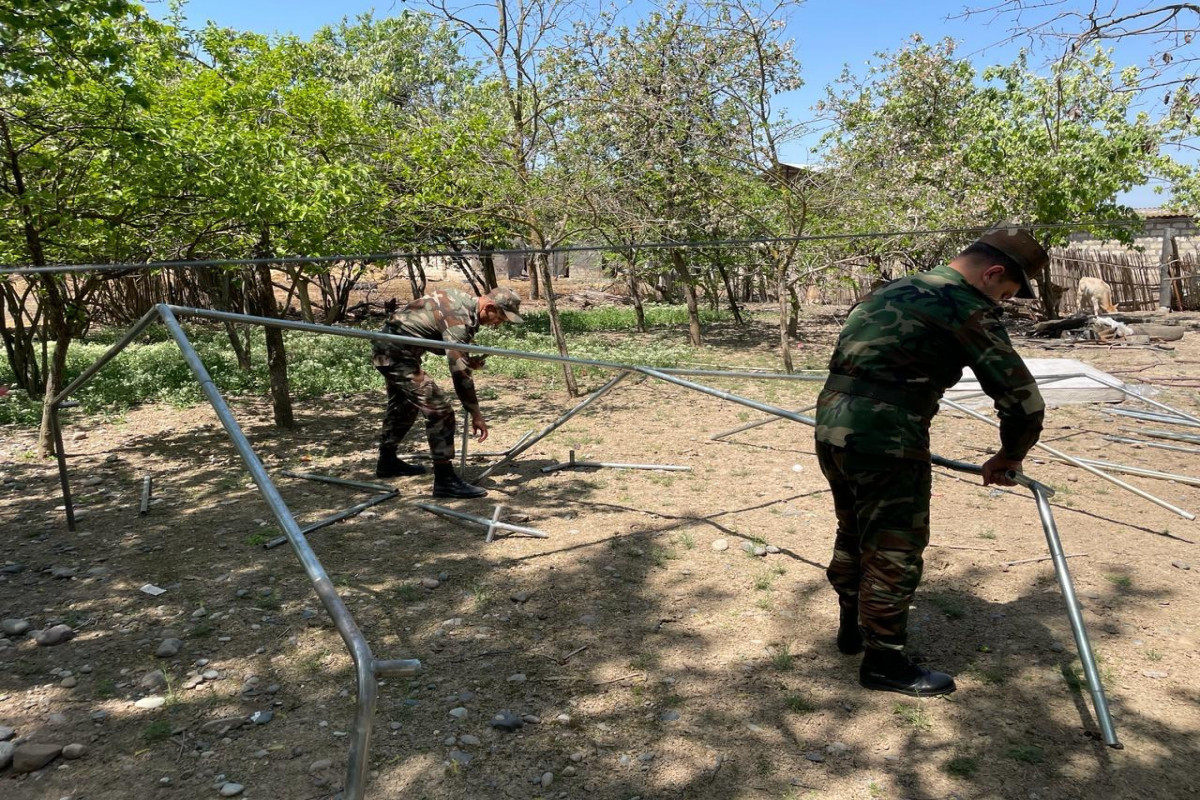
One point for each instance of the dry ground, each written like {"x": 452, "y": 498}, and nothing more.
{"x": 693, "y": 672}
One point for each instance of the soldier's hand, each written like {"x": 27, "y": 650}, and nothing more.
{"x": 994, "y": 470}
{"x": 480, "y": 426}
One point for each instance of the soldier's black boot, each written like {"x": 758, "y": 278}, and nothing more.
{"x": 390, "y": 466}
{"x": 446, "y": 483}
{"x": 891, "y": 671}
{"x": 849, "y": 637}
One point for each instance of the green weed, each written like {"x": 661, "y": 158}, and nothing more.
{"x": 913, "y": 716}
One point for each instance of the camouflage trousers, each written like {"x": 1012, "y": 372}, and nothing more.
{"x": 882, "y": 507}
{"x": 411, "y": 392}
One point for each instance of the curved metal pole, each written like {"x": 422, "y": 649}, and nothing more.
{"x": 360, "y": 651}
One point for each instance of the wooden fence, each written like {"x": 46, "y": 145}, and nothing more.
{"x": 1134, "y": 277}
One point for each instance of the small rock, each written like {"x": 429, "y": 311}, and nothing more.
{"x": 153, "y": 681}
{"x": 772, "y": 549}
{"x": 459, "y": 713}
{"x": 6, "y": 754}
{"x": 507, "y": 721}
{"x": 430, "y": 583}
{"x": 569, "y": 772}
{"x": 720, "y": 544}
{"x": 219, "y": 727}
{"x": 531, "y": 719}
{"x": 669, "y": 716}
{"x": 815, "y": 756}
{"x": 563, "y": 719}
{"x": 74, "y": 751}
{"x": 624, "y": 760}
{"x": 516, "y": 678}
{"x": 837, "y": 747}
{"x": 460, "y": 757}
{"x": 169, "y": 648}
{"x": 760, "y": 550}
{"x": 748, "y": 547}
{"x": 590, "y": 620}
{"x": 1057, "y": 647}
{"x": 232, "y": 789}
{"x": 547, "y": 779}
{"x": 578, "y": 756}
{"x": 152, "y": 702}
{"x": 469, "y": 740}
{"x": 30, "y": 757}
{"x": 53, "y": 636}
{"x": 69, "y": 682}
{"x": 1153, "y": 673}
{"x": 6, "y": 733}
{"x": 1181, "y": 565}
{"x": 646, "y": 757}
{"x": 15, "y": 627}
{"x": 320, "y": 764}
{"x": 262, "y": 717}
{"x": 62, "y": 573}
{"x": 519, "y": 597}
{"x": 210, "y": 674}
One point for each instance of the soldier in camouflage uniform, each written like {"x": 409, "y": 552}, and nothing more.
{"x": 902, "y": 346}
{"x": 446, "y": 315}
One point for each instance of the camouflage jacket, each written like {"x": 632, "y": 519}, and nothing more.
{"x": 902, "y": 347}
{"x": 447, "y": 315}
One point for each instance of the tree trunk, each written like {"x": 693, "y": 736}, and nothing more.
{"x": 785, "y": 342}
{"x": 54, "y": 385}
{"x": 20, "y": 338}
{"x": 636, "y": 295}
{"x": 543, "y": 263}
{"x": 281, "y": 401}
{"x": 733, "y": 306}
{"x": 689, "y": 293}
{"x": 488, "y": 262}
{"x": 306, "y": 312}
{"x": 533, "y": 279}
{"x": 794, "y": 320}
{"x": 240, "y": 351}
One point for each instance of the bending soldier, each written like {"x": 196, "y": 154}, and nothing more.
{"x": 451, "y": 316}
{"x": 901, "y": 348}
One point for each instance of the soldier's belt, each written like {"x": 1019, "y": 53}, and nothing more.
{"x": 922, "y": 401}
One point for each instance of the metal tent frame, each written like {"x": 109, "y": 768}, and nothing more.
{"x": 368, "y": 669}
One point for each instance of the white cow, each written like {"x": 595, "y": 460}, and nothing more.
{"x": 1097, "y": 293}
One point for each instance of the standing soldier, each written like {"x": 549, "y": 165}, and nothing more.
{"x": 447, "y": 315}
{"x": 902, "y": 346}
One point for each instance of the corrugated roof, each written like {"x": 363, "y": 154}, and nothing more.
{"x": 1161, "y": 213}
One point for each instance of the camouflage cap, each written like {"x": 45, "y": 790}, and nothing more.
{"x": 1019, "y": 245}
{"x": 509, "y": 302}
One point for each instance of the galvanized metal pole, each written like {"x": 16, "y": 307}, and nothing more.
{"x": 109, "y": 355}
{"x": 466, "y": 432}
{"x": 1169, "y": 419}
{"x": 529, "y": 442}
{"x": 487, "y": 523}
{"x": 1072, "y": 460}
{"x": 147, "y": 485}
{"x": 325, "y": 522}
{"x": 61, "y": 455}
{"x": 1157, "y": 445}
{"x": 364, "y": 662}
{"x": 1041, "y": 494}
{"x": 312, "y": 476}
{"x": 758, "y": 424}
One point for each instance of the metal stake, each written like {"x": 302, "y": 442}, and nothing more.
{"x": 571, "y": 463}
{"x": 332, "y": 518}
{"x": 484, "y": 521}
{"x": 1158, "y": 445}
{"x": 147, "y": 483}
{"x": 462, "y": 460}
{"x": 492, "y": 528}
{"x": 748, "y": 426}
{"x": 1149, "y": 417}
{"x": 1178, "y": 437}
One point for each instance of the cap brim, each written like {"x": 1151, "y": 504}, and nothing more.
{"x": 513, "y": 317}
{"x": 1026, "y": 290}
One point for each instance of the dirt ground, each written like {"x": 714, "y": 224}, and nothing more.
{"x": 659, "y": 665}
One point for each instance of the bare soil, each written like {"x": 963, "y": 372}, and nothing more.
{"x": 658, "y": 666}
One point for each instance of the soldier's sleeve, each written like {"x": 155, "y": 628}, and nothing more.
{"x": 1005, "y": 378}
{"x": 464, "y": 384}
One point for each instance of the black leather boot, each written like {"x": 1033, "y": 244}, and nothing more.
{"x": 849, "y": 637}
{"x": 390, "y": 466}
{"x": 892, "y": 671}
{"x": 446, "y": 483}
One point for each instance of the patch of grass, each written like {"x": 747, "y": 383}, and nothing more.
{"x": 1120, "y": 581}
{"x": 798, "y": 705}
{"x": 268, "y": 603}
{"x": 261, "y": 537}
{"x": 673, "y": 700}
{"x": 481, "y": 595}
{"x": 874, "y": 789}
{"x": 688, "y": 541}
{"x": 961, "y": 766}
{"x": 763, "y": 765}
{"x": 661, "y": 555}
{"x": 949, "y": 605}
{"x": 1154, "y": 655}
{"x": 410, "y": 592}
{"x": 987, "y": 534}
{"x": 764, "y": 581}
{"x": 783, "y": 660}
{"x": 643, "y": 662}
{"x": 913, "y": 716}
{"x": 157, "y": 731}
{"x": 202, "y": 629}
{"x": 104, "y": 689}
{"x": 1026, "y": 753}
{"x": 764, "y": 602}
